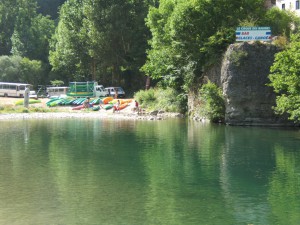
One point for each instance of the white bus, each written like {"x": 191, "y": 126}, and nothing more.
{"x": 13, "y": 89}
{"x": 56, "y": 91}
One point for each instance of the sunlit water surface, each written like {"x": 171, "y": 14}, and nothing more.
{"x": 80, "y": 171}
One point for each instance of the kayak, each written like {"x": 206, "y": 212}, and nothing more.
{"x": 78, "y": 107}
{"x": 107, "y": 107}
{"x": 107, "y": 100}
{"x": 122, "y": 106}
{"x": 122, "y": 101}
{"x": 96, "y": 108}
{"x": 81, "y": 107}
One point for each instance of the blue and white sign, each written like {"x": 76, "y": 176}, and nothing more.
{"x": 253, "y": 34}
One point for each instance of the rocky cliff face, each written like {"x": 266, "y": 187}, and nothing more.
{"x": 244, "y": 75}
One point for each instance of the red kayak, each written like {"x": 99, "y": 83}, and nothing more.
{"x": 81, "y": 107}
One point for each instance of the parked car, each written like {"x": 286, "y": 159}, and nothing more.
{"x": 32, "y": 94}
{"x": 112, "y": 91}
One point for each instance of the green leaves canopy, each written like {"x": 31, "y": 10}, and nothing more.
{"x": 285, "y": 79}
{"x": 188, "y": 32}
{"x": 100, "y": 39}
{"x": 24, "y": 70}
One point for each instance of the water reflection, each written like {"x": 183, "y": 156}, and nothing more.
{"x": 147, "y": 172}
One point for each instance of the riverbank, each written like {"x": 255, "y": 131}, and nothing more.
{"x": 64, "y": 112}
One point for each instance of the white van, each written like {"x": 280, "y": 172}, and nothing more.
{"x": 56, "y": 91}
{"x": 100, "y": 91}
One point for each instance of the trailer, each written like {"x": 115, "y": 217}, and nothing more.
{"x": 86, "y": 89}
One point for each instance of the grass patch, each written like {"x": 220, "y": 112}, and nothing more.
{"x": 31, "y": 101}
{"x": 22, "y": 109}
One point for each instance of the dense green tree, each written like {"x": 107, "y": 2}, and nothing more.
{"x": 7, "y": 23}
{"x": 32, "y": 72}
{"x": 10, "y": 69}
{"x": 22, "y": 38}
{"x": 69, "y": 54}
{"x": 31, "y": 32}
{"x": 285, "y": 79}
{"x": 281, "y": 22}
{"x": 119, "y": 36}
{"x": 42, "y": 29}
{"x": 188, "y": 35}
{"x": 24, "y": 70}
{"x": 101, "y": 40}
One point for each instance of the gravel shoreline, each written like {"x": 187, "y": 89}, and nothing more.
{"x": 67, "y": 112}
{"x": 87, "y": 115}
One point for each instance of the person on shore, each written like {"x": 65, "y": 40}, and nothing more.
{"x": 86, "y": 103}
{"x": 136, "y": 107}
{"x": 116, "y": 106}
{"x": 116, "y": 93}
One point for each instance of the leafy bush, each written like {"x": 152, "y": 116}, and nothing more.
{"x": 281, "y": 41}
{"x": 212, "y": 105}
{"x": 146, "y": 98}
{"x": 160, "y": 99}
{"x": 284, "y": 79}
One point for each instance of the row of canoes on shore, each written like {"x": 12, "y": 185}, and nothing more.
{"x": 106, "y": 103}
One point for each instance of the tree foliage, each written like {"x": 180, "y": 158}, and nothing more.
{"x": 212, "y": 104}
{"x": 31, "y": 32}
{"x": 285, "y": 79}
{"x": 69, "y": 48}
{"x": 282, "y": 22}
{"x": 7, "y": 19}
{"x": 24, "y": 70}
{"x": 188, "y": 35}
{"x": 102, "y": 40}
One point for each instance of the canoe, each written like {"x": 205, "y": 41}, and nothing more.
{"x": 54, "y": 103}
{"x": 78, "y": 107}
{"x": 106, "y": 100}
{"x": 122, "y": 101}
{"x": 107, "y": 107}
{"x": 96, "y": 101}
{"x": 122, "y": 106}
{"x": 96, "y": 108}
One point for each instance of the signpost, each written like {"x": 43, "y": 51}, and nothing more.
{"x": 253, "y": 34}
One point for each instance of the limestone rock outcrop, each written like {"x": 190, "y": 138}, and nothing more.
{"x": 244, "y": 79}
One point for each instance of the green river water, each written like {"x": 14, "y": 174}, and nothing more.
{"x": 90, "y": 172}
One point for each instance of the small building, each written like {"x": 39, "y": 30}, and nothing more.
{"x": 291, "y": 5}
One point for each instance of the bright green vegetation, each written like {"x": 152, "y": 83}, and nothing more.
{"x": 212, "y": 105}
{"x": 31, "y": 101}
{"x": 161, "y": 99}
{"x": 285, "y": 79}
{"x": 22, "y": 109}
